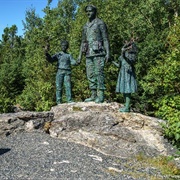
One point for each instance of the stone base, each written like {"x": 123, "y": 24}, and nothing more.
{"x": 104, "y": 128}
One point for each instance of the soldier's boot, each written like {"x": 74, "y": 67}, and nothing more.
{"x": 59, "y": 97}
{"x": 127, "y": 98}
{"x": 93, "y": 96}
{"x": 100, "y": 97}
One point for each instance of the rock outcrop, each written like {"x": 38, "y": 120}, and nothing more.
{"x": 104, "y": 128}
{"x": 11, "y": 123}
{"x": 99, "y": 126}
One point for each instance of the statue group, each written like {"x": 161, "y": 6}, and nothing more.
{"x": 95, "y": 47}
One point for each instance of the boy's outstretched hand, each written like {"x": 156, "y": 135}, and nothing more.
{"x": 46, "y": 47}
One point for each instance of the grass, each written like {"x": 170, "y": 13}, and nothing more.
{"x": 164, "y": 163}
{"x": 151, "y": 168}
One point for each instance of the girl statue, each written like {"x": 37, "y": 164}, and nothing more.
{"x": 126, "y": 83}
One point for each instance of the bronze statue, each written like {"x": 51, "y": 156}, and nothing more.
{"x": 64, "y": 61}
{"x": 126, "y": 83}
{"x": 95, "y": 46}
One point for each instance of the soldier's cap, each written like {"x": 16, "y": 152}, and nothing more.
{"x": 92, "y": 6}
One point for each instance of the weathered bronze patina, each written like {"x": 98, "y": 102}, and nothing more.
{"x": 95, "y": 46}
{"x": 126, "y": 83}
{"x": 64, "y": 61}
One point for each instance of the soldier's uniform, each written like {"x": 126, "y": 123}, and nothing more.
{"x": 63, "y": 76}
{"x": 94, "y": 40}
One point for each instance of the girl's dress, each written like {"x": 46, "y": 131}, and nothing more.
{"x": 126, "y": 82}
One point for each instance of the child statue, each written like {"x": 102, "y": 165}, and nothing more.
{"x": 126, "y": 83}
{"x": 63, "y": 76}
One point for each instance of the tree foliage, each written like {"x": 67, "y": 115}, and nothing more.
{"x": 163, "y": 84}
{"x": 11, "y": 57}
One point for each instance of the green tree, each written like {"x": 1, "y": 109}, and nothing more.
{"x": 39, "y": 92}
{"x": 38, "y": 89}
{"x": 163, "y": 83}
{"x": 11, "y": 79}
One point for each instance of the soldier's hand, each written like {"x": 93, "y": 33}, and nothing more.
{"x": 79, "y": 60}
{"x": 115, "y": 63}
{"x": 107, "y": 58}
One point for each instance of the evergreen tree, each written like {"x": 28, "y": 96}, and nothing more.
{"x": 38, "y": 89}
{"x": 11, "y": 79}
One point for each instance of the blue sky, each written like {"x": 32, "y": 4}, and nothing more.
{"x": 13, "y": 12}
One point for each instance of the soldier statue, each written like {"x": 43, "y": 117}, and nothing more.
{"x": 95, "y": 46}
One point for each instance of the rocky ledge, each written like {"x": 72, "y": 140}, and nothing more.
{"x": 99, "y": 126}
{"x": 105, "y": 129}
{"x": 12, "y": 123}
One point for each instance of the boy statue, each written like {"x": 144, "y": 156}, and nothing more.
{"x": 64, "y": 61}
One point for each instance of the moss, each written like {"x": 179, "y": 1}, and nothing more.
{"x": 75, "y": 108}
{"x": 152, "y": 168}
